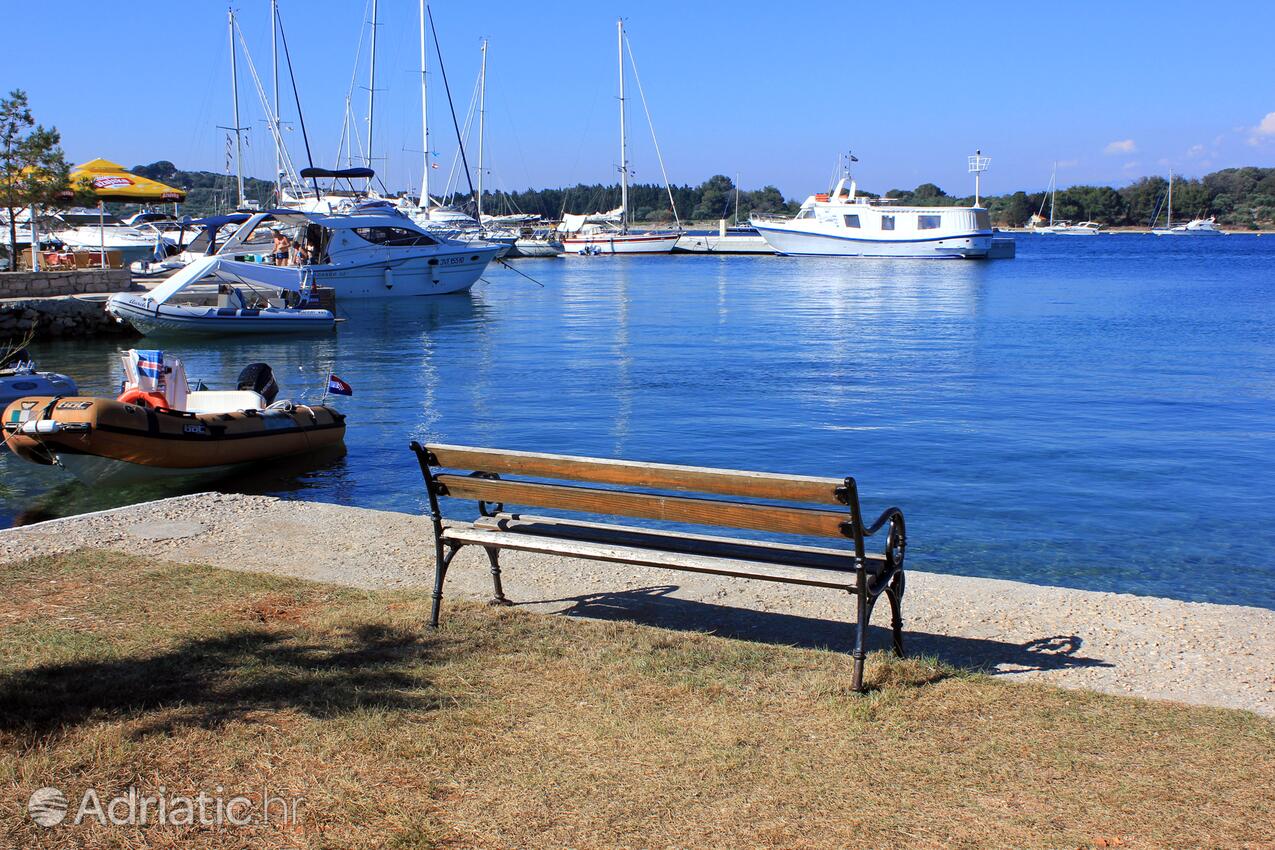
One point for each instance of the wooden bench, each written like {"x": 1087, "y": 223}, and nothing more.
{"x": 775, "y": 504}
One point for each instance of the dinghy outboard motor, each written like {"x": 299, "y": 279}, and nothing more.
{"x": 259, "y": 378}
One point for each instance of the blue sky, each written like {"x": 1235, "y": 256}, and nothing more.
{"x": 768, "y": 91}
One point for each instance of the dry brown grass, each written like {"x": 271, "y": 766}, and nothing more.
{"x": 511, "y": 729}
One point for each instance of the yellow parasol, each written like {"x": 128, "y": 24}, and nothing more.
{"x": 110, "y": 182}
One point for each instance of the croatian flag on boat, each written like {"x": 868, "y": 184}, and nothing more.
{"x": 336, "y": 386}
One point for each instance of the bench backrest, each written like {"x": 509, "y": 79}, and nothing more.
{"x": 827, "y": 507}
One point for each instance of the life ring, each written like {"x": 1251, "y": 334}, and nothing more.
{"x": 140, "y": 398}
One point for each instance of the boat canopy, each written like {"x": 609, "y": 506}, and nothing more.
{"x": 339, "y": 173}
{"x": 256, "y": 275}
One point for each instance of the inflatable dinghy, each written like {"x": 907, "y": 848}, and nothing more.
{"x": 158, "y": 428}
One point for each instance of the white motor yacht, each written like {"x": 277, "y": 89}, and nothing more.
{"x": 1194, "y": 227}
{"x": 369, "y": 253}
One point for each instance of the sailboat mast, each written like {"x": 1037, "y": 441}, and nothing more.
{"x": 274, "y": 61}
{"x": 424, "y": 120}
{"x": 1053, "y": 193}
{"x": 371, "y": 93}
{"x": 234, "y": 96}
{"x": 482, "y": 112}
{"x": 737, "y": 199}
{"x": 1169, "y": 218}
{"x": 624, "y": 148}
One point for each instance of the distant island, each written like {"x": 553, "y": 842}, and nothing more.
{"x": 1240, "y": 198}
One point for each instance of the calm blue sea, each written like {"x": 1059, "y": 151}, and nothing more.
{"x": 1097, "y": 413}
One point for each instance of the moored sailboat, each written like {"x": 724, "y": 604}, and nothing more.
{"x": 587, "y": 235}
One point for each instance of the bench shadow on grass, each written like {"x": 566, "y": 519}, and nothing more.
{"x": 655, "y": 606}
{"x": 212, "y": 681}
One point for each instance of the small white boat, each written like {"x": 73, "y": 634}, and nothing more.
{"x": 727, "y": 240}
{"x": 1066, "y": 228}
{"x": 536, "y": 242}
{"x": 234, "y": 313}
{"x": 18, "y": 378}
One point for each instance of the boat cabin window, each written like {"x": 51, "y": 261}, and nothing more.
{"x": 397, "y": 237}
{"x": 806, "y": 213}
{"x": 851, "y": 220}
{"x": 929, "y": 222}
{"x": 887, "y": 222}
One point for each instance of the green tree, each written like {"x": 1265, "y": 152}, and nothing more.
{"x": 32, "y": 165}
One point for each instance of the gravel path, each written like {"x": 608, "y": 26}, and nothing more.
{"x": 1220, "y": 655}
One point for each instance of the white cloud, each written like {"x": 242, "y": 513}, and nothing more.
{"x": 1263, "y": 131}
{"x": 1130, "y": 166}
{"x": 1121, "y": 146}
{"x": 1195, "y": 151}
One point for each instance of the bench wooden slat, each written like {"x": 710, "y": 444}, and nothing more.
{"x": 650, "y": 558}
{"x": 679, "y": 541}
{"x": 654, "y": 476}
{"x": 773, "y": 518}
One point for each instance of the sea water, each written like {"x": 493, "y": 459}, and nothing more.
{"x": 1097, "y": 413}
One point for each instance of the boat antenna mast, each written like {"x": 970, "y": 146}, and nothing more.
{"x": 234, "y": 99}
{"x": 977, "y": 165}
{"x": 274, "y": 64}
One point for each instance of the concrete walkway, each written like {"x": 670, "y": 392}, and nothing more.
{"x": 1202, "y": 653}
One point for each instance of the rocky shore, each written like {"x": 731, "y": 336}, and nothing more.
{"x": 57, "y": 317}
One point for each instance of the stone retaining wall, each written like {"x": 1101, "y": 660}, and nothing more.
{"x": 57, "y": 317}
{"x": 34, "y": 284}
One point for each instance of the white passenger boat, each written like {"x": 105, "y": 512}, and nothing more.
{"x": 845, "y": 224}
{"x": 368, "y": 253}
{"x": 250, "y": 300}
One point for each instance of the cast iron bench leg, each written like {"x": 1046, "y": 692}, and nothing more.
{"x": 894, "y": 592}
{"x": 493, "y": 555}
{"x": 441, "y": 563}
{"x": 863, "y": 612}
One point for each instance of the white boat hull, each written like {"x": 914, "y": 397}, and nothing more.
{"x": 621, "y": 243}
{"x": 804, "y": 243}
{"x": 441, "y": 274}
{"x": 536, "y": 248}
{"x": 152, "y": 319}
{"x": 714, "y": 243}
